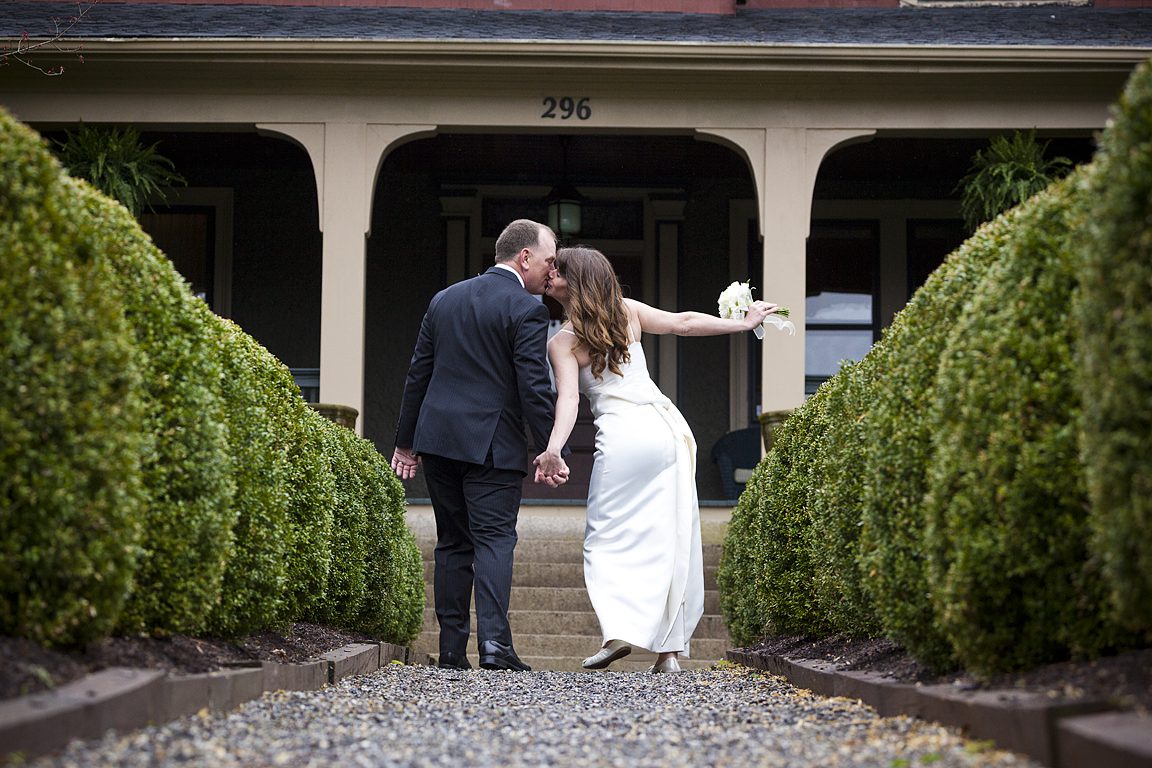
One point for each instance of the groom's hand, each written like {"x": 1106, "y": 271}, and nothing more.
{"x": 404, "y": 463}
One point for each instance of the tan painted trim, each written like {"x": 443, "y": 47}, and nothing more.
{"x": 310, "y": 138}
{"x": 698, "y": 56}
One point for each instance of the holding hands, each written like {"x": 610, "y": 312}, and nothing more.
{"x": 551, "y": 469}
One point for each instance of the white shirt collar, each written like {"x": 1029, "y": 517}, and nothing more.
{"x": 518, "y": 277}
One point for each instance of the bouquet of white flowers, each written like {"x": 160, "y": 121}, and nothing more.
{"x": 735, "y": 300}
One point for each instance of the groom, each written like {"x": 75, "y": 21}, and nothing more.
{"x": 478, "y": 374}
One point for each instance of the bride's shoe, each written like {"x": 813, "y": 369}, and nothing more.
{"x": 668, "y": 665}
{"x": 615, "y": 649}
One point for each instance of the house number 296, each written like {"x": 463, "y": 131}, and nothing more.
{"x": 566, "y": 108}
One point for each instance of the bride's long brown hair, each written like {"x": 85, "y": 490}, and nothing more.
{"x": 595, "y": 307}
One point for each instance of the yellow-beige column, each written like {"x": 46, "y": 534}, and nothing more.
{"x": 784, "y": 163}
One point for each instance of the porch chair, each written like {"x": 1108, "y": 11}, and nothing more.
{"x": 736, "y": 454}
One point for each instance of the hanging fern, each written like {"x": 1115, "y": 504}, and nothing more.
{"x": 1008, "y": 172}
{"x": 117, "y": 163}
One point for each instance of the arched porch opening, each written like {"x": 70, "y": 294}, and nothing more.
{"x": 885, "y": 214}
{"x": 244, "y": 232}
{"x": 659, "y": 206}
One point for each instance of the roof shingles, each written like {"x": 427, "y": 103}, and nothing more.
{"x": 1052, "y": 26}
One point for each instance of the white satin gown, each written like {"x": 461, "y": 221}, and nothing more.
{"x": 643, "y": 564}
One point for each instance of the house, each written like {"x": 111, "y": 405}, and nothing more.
{"x": 346, "y": 161}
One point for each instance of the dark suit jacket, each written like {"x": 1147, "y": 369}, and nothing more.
{"x": 478, "y": 374}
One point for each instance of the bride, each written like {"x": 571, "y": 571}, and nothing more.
{"x": 642, "y": 556}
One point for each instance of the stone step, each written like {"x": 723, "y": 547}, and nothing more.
{"x": 566, "y": 599}
{"x": 635, "y": 663}
{"x": 564, "y": 523}
{"x": 575, "y": 646}
{"x": 576, "y": 623}
{"x": 556, "y": 551}
{"x": 532, "y": 574}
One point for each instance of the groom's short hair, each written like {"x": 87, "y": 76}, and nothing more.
{"x": 520, "y": 234}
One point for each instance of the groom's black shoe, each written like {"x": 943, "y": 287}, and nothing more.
{"x": 454, "y": 661}
{"x": 494, "y": 655}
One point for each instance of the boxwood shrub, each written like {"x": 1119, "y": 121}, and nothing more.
{"x": 1114, "y": 376}
{"x": 348, "y": 540}
{"x": 71, "y": 410}
{"x": 1012, "y": 580}
{"x": 310, "y": 485}
{"x": 837, "y": 478}
{"x": 254, "y": 594}
{"x": 766, "y": 573}
{"x": 393, "y": 604}
{"x": 187, "y": 470}
{"x": 739, "y": 559}
{"x": 898, "y": 434}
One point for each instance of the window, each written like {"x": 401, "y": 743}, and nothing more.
{"x": 840, "y": 307}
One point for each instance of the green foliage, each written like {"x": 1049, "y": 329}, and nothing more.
{"x": 71, "y": 412}
{"x": 1006, "y": 173}
{"x": 254, "y": 594}
{"x": 1012, "y": 581}
{"x": 837, "y": 479}
{"x": 1114, "y": 317}
{"x": 310, "y": 483}
{"x": 187, "y": 468}
{"x": 159, "y": 471}
{"x": 739, "y": 560}
{"x": 393, "y": 604}
{"x": 766, "y": 573}
{"x": 345, "y": 593}
{"x": 898, "y": 434}
{"x": 117, "y": 163}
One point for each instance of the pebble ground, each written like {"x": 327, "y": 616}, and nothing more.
{"x": 423, "y": 716}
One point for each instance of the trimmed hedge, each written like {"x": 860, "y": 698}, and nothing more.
{"x": 254, "y": 592}
{"x": 160, "y": 471}
{"x": 898, "y": 434}
{"x": 1012, "y": 579}
{"x": 310, "y": 484}
{"x": 978, "y": 544}
{"x": 187, "y": 468}
{"x": 345, "y": 593}
{"x": 71, "y": 412}
{"x": 766, "y": 573}
{"x": 393, "y": 604}
{"x": 1114, "y": 376}
{"x": 837, "y": 478}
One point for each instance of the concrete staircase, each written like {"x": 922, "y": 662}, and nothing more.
{"x": 553, "y": 625}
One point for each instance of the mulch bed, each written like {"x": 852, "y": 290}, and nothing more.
{"x": 1125, "y": 678}
{"x": 26, "y": 667}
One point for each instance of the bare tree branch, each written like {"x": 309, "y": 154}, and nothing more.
{"x": 23, "y": 50}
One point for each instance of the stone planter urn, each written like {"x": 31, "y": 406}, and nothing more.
{"x": 769, "y": 422}
{"x": 344, "y": 415}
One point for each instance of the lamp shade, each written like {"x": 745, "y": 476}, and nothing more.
{"x": 564, "y": 209}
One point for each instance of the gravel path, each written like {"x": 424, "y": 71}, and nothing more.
{"x": 423, "y": 716}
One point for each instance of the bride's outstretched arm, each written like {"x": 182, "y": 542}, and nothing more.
{"x": 653, "y": 320}
{"x": 566, "y": 371}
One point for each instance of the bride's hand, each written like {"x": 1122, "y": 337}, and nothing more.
{"x": 757, "y": 312}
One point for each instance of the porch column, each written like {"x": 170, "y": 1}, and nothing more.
{"x": 346, "y": 158}
{"x": 784, "y": 164}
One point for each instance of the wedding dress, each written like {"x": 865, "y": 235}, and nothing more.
{"x": 642, "y": 557}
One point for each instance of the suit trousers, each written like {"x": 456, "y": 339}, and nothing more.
{"x": 476, "y": 506}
